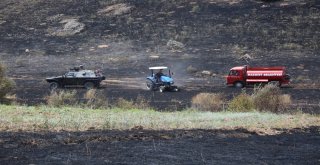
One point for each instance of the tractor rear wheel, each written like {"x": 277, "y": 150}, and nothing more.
{"x": 150, "y": 85}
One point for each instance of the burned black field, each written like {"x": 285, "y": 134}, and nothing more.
{"x": 40, "y": 39}
{"x": 297, "y": 146}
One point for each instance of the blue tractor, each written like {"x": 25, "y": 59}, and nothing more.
{"x": 160, "y": 81}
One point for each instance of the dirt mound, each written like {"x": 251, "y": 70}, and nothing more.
{"x": 115, "y": 10}
{"x": 67, "y": 27}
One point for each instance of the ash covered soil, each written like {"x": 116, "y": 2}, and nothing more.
{"x": 297, "y": 146}
{"x": 41, "y": 39}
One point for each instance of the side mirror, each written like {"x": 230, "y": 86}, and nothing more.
{"x": 171, "y": 73}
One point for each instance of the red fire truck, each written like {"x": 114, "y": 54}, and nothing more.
{"x": 241, "y": 76}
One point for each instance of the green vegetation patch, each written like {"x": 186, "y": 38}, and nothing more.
{"x": 44, "y": 118}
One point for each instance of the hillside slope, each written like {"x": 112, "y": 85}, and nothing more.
{"x": 208, "y": 24}
{"x": 41, "y": 38}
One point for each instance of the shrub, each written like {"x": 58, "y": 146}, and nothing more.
{"x": 269, "y": 98}
{"x": 95, "y": 99}
{"x": 142, "y": 103}
{"x": 285, "y": 102}
{"x": 62, "y": 98}
{"x": 241, "y": 103}
{"x": 125, "y": 104}
{"x": 207, "y": 102}
{"x": 6, "y": 85}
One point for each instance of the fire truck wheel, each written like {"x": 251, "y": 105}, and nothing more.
{"x": 238, "y": 85}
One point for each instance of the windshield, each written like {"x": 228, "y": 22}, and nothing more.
{"x": 233, "y": 73}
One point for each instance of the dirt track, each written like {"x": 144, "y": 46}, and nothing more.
{"x": 128, "y": 80}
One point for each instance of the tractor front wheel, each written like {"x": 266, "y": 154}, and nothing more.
{"x": 161, "y": 89}
{"x": 150, "y": 85}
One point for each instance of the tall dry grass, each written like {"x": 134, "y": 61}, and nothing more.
{"x": 139, "y": 103}
{"x": 62, "y": 98}
{"x": 270, "y": 98}
{"x": 95, "y": 99}
{"x": 208, "y": 102}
